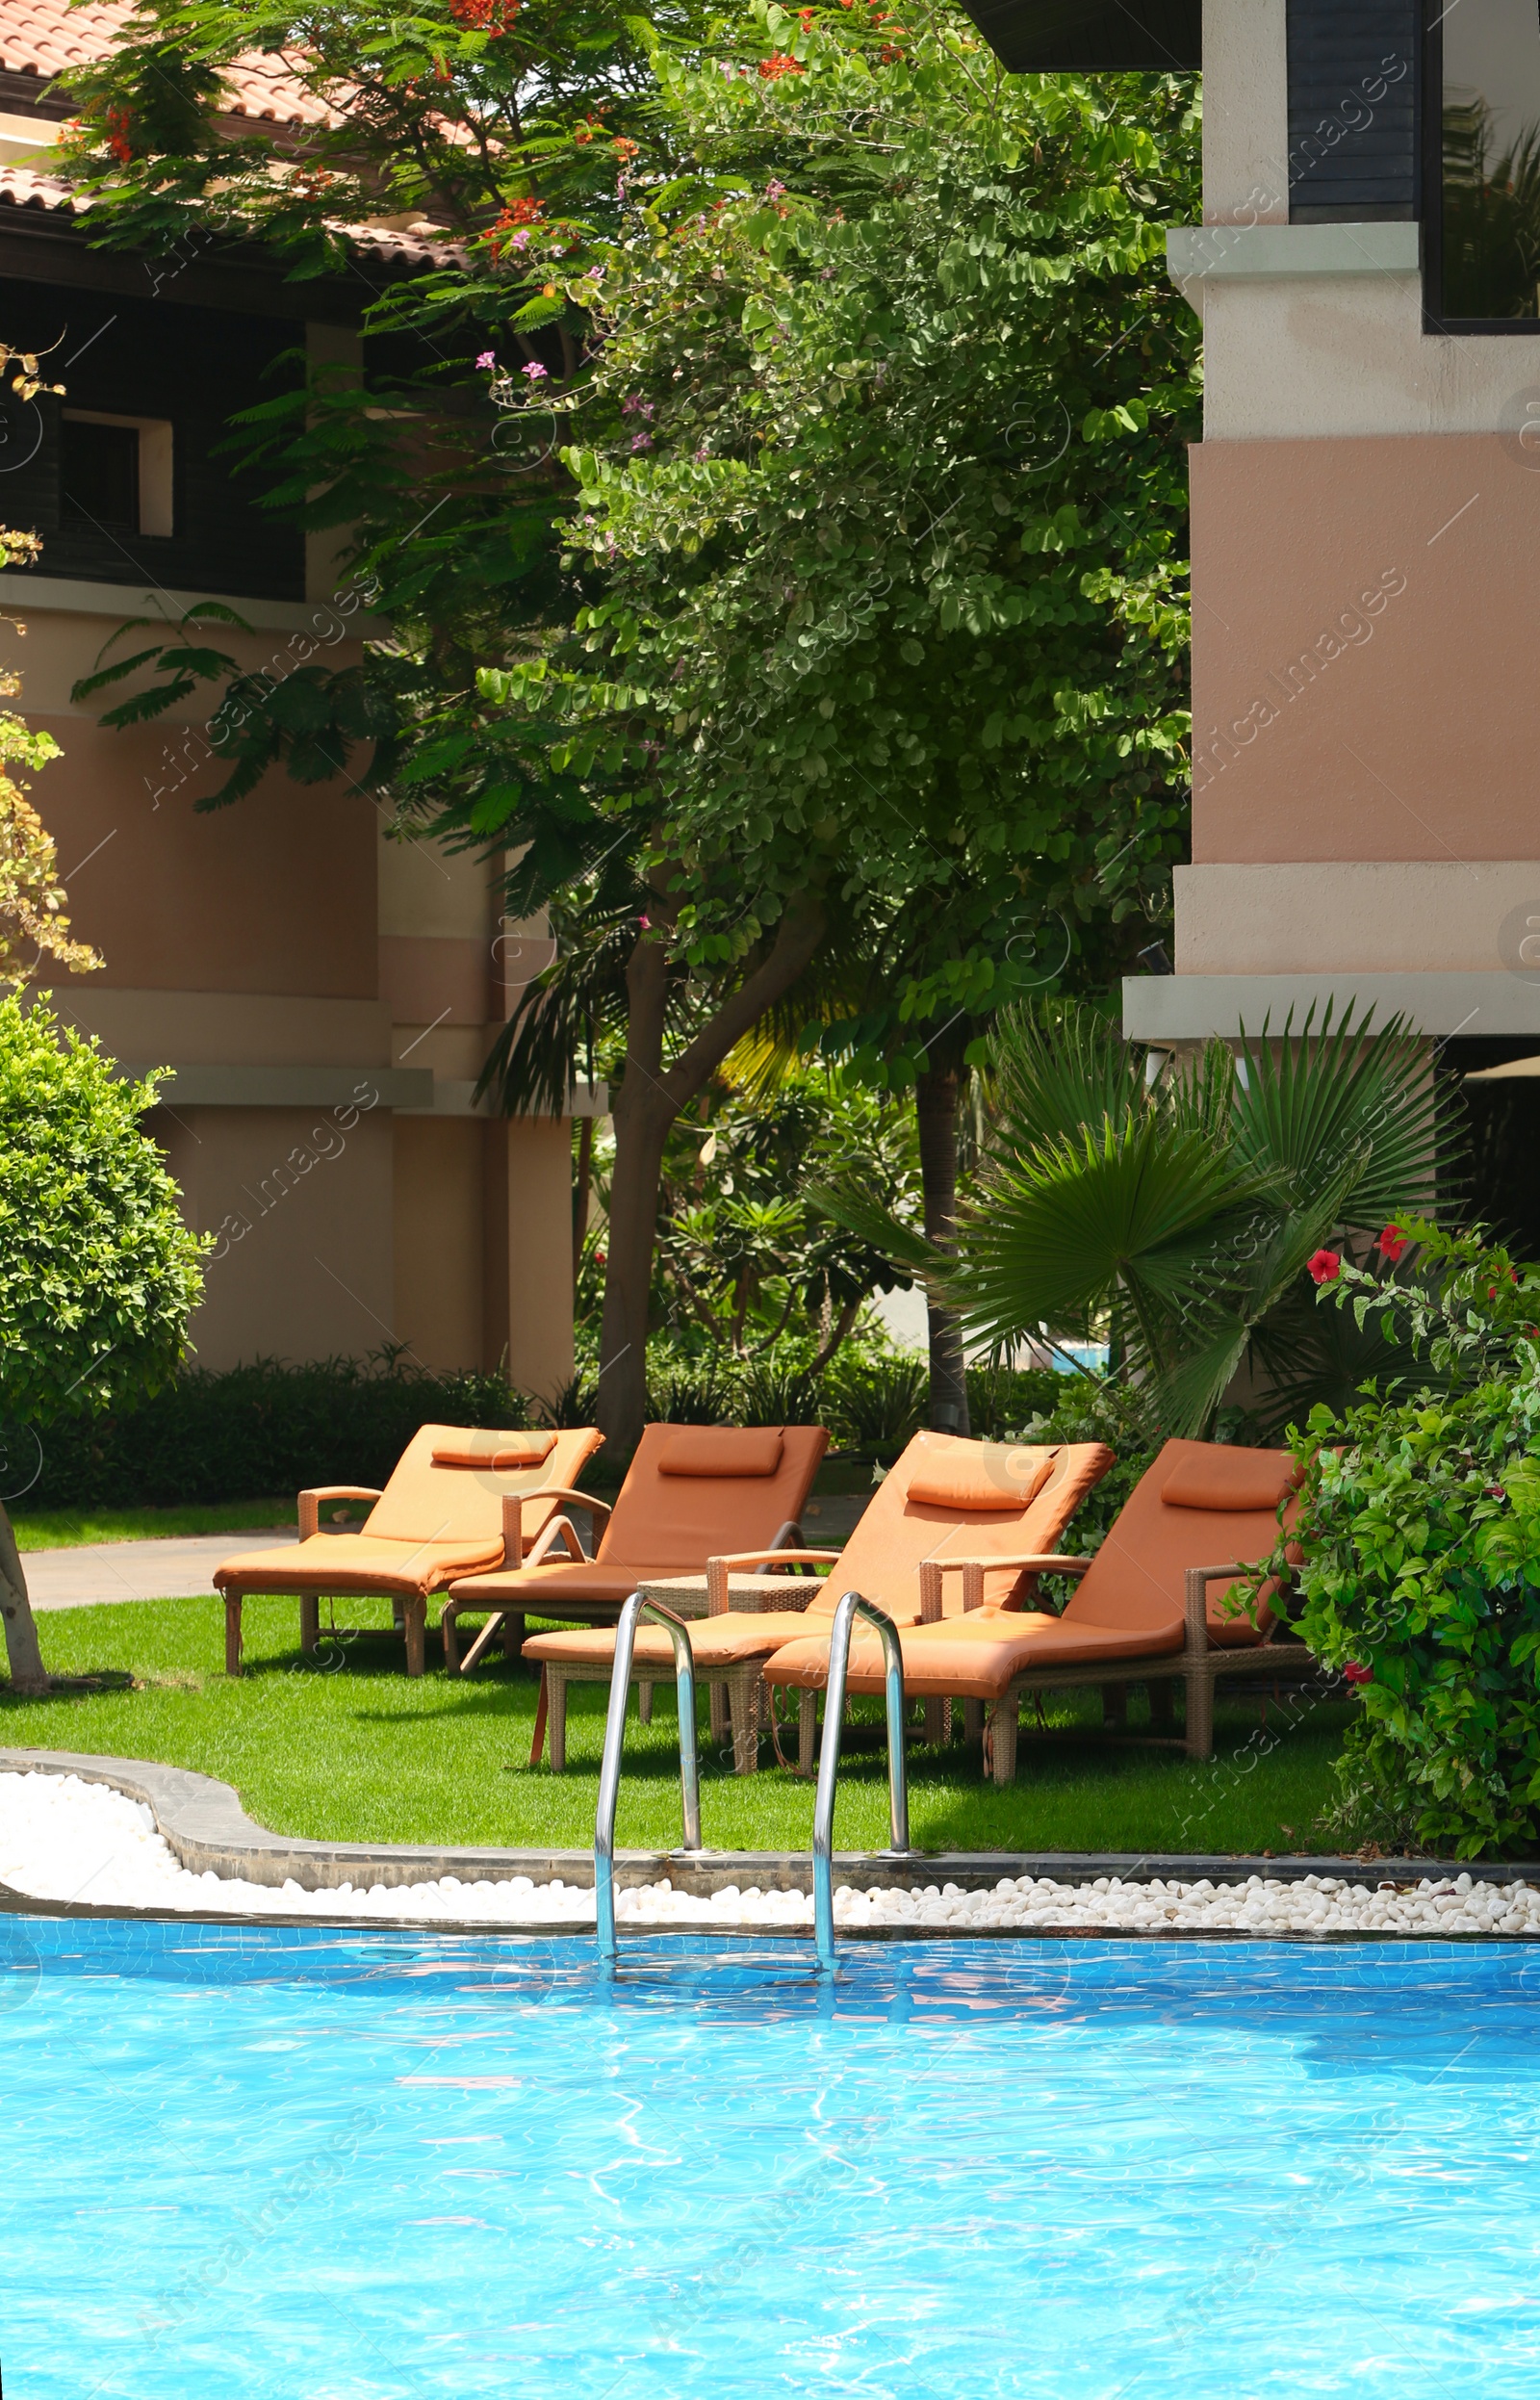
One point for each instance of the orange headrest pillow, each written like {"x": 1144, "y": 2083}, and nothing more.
{"x": 980, "y": 1476}
{"x": 500, "y": 1452}
{"x": 722, "y": 1450}
{"x": 1241, "y": 1479}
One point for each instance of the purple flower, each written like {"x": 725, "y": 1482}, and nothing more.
{"x": 641, "y": 441}
{"x": 535, "y": 371}
{"x": 703, "y": 451}
{"x": 773, "y": 191}
{"x": 488, "y": 358}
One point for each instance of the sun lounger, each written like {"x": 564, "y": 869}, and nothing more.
{"x": 458, "y": 1498}
{"x": 1151, "y": 1606}
{"x": 690, "y": 1489}
{"x": 954, "y": 1525}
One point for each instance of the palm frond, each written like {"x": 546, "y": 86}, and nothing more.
{"x": 1054, "y": 1077}
{"x": 1054, "y": 1235}
{"x": 1310, "y": 1104}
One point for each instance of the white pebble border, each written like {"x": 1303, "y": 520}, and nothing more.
{"x": 65, "y": 1840}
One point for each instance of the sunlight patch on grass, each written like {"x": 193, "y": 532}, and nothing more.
{"x": 72, "y": 1528}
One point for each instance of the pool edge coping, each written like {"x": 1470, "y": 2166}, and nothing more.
{"x": 203, "y": 1823}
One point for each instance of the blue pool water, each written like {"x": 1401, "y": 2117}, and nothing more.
{"x": 341, "y": 2166}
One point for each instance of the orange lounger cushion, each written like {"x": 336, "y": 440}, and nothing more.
{"x": 555, "y": 1580}
{"x": 715, "y": 1642}
{"x": 942, "y": 1660}
{"x": 330, "y": 1563}
{"x": 898, "y": 1535}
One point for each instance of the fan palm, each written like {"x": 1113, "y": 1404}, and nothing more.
{"x": 1180, "y": 1215}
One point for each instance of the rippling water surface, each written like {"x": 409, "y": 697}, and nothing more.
{"x": 341, "y": 2166}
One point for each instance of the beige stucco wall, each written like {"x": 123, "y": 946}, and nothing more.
{"x": 1245, "y": 113}
{"x": 1368, "y": 614}
{"x": 1441, "y": 917}
{"x": 440, "y": 1231}
{"x": 288, "y": 932}
{"x": 301, "y": 1202}
{"x": 527, "y": 1282}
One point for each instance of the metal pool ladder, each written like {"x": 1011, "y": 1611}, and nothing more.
{"x": 852, "y": 1605}
{"x": 619, "y": 1683}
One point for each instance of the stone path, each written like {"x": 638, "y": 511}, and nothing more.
{"x": 100, "y": 1571}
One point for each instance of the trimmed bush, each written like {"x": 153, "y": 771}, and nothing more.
{"x": 257, "y": 1432}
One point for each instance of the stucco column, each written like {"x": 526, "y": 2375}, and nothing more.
{"x": 528, "y": 1266}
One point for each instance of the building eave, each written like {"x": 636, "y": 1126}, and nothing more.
{"x": 1092, "y": 37}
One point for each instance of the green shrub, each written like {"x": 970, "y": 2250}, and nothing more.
{"x": 258, "y": 1430}
{"x": 1420, "y": 1528}
{"x": 874, "y": 1404}
{"x": 1002, "y": 1399}
{"x": 99, "y": 1275}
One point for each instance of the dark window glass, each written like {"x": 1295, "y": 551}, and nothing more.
{"x": 1491, "y": 145}
{"x": 99, "y": 472}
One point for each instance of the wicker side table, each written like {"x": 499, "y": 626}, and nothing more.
{"x": 737, "y": 1701}
{"x": 685, "y": 1594}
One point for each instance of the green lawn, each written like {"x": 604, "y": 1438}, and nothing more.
{"x": 71, "y": 1529}
{"x": 346, "y": 1747}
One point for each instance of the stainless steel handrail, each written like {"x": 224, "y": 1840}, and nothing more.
{"x": 852, "y": 1605}
{"x": 638, "y": 1607}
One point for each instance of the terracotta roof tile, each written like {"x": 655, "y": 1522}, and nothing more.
{"x": 46, "y": 37}
{"x": 425, "y": 247}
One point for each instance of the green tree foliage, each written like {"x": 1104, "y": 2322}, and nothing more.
{"x": 98, "y": 1273}
{"x": 741, "y": 1251}
{"x": 1419, "y": 1533}
{"x": 893, "y": 532}
{"x": 862, "y": 599}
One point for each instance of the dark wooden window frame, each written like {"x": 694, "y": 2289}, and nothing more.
{"x": 1434, "y": 319}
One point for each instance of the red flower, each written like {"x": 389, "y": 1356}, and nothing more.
{"x": 1393, "y": 1241}
{"x": 1353, "y": 1673}
{"x": 1325, "y": 1266}
{"x": 780, "y": 64}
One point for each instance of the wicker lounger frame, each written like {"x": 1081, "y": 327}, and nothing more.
{"x": 1199, "y": 1664}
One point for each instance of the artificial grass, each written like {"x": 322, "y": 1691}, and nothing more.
{"x": 345, "y": 1747}
{"x": 74, "y": 1528}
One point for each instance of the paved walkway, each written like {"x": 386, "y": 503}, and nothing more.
{"x": 99, "y": 1571}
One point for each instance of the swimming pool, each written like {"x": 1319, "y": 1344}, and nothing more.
{"x": 339, "y": 2165}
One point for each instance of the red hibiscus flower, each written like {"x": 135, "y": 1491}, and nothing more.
{"x": 1392, "y": 1242}
{"x": 1325, "y": 1266}
{"x": 1353, "y": 1673}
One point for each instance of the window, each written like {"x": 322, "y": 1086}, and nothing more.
{"x": 115, "y": 473}
{"x": 1485, "y": 255}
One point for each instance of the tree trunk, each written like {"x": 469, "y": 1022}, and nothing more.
{"x": 935, "y": 1105}
{"x": 22, "y": 1654}
{"x": 650, "y": 1097}
{"x": 581, "y": 1187}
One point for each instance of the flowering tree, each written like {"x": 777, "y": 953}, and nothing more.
{"x": 33, "y": 921}
{"x": 820, "y": 549}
